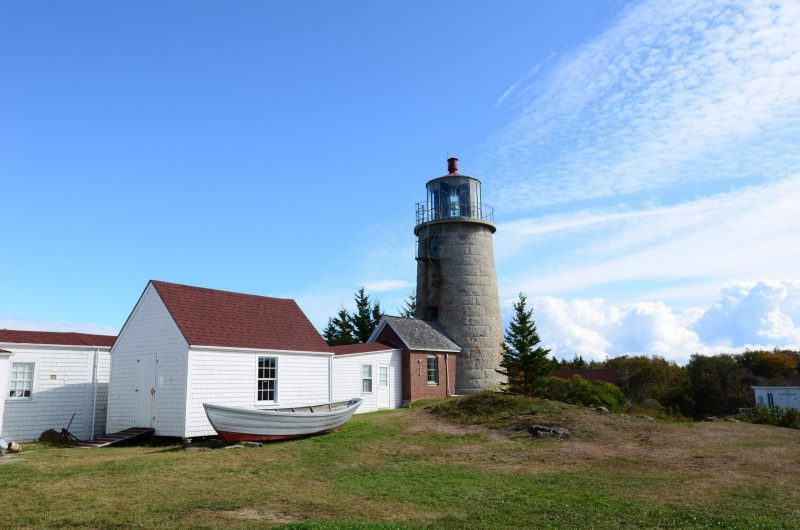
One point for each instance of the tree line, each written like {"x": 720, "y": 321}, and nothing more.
{"x": 354, "y": 327}
{"x": 707, "y": 385}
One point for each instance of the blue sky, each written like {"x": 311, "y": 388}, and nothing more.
{"x": 643, "y": 159}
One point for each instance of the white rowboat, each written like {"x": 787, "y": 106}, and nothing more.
{"x": 259, "y": 425}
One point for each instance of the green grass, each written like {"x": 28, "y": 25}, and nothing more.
{"x": 411, "y": 469}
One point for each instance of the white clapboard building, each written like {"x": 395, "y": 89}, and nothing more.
{"x": 48, "y": 379}
{"x": 778, "y": 396}
{"x": 183, "y": 346}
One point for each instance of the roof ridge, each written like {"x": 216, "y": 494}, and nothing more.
{"x": 186, "y": 285}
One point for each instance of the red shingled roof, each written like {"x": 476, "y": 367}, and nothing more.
{"x": 208, "y": 317}
{"x": 55, "y": 337}
{"x": 360, "y": 348}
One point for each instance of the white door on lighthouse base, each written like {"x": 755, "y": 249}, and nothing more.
{"x": 145, "y": 390}
{"x": 384, "y": 391}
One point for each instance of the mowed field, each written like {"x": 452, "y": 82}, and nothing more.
{"x": 414, "y": 468}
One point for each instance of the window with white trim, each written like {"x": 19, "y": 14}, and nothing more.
{"x": 433, "y": 370}
{"x": 267, "y": 378}
{"x": 21, "y": 384}
{"x": 366, "y": 378}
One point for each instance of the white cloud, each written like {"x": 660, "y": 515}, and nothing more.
{"x": 747, "y": 233}
{"x": 379, "y": 286}
{"x": 672, "y": 92}
{"x": 762, "y": 312}
{"x": 9, "y": 321}
{"x": 759, "y": 314}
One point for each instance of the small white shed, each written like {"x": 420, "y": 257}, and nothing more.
{"x": 778, "y": 396}
{"x": 371, "y": 371}
{"x": 183, "y": 346}
{"x": 46, "y": 377}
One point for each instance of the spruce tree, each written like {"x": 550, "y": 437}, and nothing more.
{"x": 339, "y": 330}
{"x": 362, "y": 317}
{"x": 409, "y": 309}
{"x": 525, "y": 364}
{"x": 377, "y": 315}
{"x": 355, "y": 327}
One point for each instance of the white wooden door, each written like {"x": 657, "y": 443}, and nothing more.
{"x": 145, "y": 391}
{"x": 384, "y": 391}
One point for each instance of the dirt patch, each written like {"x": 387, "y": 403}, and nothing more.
{"x": 251, "y": 514}
{"x": 423, "y": 421}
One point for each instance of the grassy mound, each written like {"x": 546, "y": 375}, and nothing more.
{"x": 493, "y": 409}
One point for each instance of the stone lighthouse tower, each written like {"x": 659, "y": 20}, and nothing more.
{"x": 456, "y": 279}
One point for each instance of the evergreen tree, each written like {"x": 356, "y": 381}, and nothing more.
{"x": 339, "y": 329}
{"x": 377, "y": 315}
{"x": 355, "y": 327}
{"x": 409, "y": 309}
{"x": 362, "y": 318}
{"x": 524, "y": 363}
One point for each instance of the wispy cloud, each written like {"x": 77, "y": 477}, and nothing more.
{"x": 524, "y": 79}
{"x": 380, "y": 286}
{"x": 727, "y": 237}
{"x": 9, "y": 321}
{"x": 673, "y": 92}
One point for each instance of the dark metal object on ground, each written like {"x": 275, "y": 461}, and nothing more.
{"x": 68, "y": 436}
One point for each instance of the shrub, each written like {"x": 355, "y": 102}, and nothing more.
{"x": 779, "y": 416}
{"x": 579, "y": 391}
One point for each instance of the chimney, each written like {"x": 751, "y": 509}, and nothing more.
{"x": 452, "y": 166}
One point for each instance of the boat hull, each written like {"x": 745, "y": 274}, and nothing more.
{"x": 254, "y": 425}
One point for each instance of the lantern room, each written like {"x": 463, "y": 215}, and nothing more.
{"x": 453, "y": 195}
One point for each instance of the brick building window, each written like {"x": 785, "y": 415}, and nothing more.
{"x": 433, "y": 370}
{"x": 21, "y": 383}
{"x": 366, "y": 378}
{"x": 267, "y": 378}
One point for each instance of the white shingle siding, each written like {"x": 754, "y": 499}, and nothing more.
{"x": 347, "y": 378}
{"x": 149, "y": 330}
{"x": 228, "y": 377}
{"x": 782, "y": 396}
{"x": 5, "y": 372}
{"x": 62, "y": 385}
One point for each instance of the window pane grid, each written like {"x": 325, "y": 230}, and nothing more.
{"x": 267, "y": 376}
{"x": 433, "y": 370}
{"x": 21, "y": 381}
{"x": 366, "y": 378}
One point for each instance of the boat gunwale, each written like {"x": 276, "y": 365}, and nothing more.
{"x": 356, "y": 402}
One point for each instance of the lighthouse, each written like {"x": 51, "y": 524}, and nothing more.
{"x": 456, "y": 278}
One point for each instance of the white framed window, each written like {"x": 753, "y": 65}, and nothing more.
{"x": 21, "y": 384}
{"x": 267, "y": 378}
{"x": 366, "y": 378}
{"x": 383, "y": 377}
{"x": 433, "y": 370}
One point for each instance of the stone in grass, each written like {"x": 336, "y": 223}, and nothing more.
{"x": 644, "y": 417}
{"x": 600, "y": 409}
{"x": 539, "y": 431}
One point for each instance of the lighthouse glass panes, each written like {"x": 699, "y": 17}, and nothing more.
{"x": 267, "y": 377}
{"x": 454, "y": 197}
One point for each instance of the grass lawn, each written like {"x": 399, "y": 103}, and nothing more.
{"x": 416, "y": 468}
